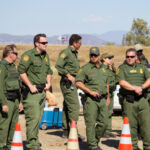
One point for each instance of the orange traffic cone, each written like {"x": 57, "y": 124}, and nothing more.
{"x": 17, "y": 139}
{"x": 125, "y": 140}
{"x": 73, "y": 138}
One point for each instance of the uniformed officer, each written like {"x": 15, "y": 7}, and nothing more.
{"x": 139, "y": 50}
{"x": 108, "y": 64}
{"x": 139, "y": 60}
{"x": 67, "y": 65}
{"x": 134, "y": 79}
{"x": 93, "y": 80}
{"x": 9, "y": 96}
{"x": 36, "y": 74}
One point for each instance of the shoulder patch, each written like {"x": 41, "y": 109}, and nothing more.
{"x": 117, "y": 71}
{"x": 63, "y": 55}
{"x": 141, "y": 70}
{"x": 46, "y": 60}
{"x": 103, "y": 70}
{"x": 79, "y": 71}
{"x": 26, "y": 58}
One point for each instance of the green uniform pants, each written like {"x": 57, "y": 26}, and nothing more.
{"x": 7, "y": 123}
{"x": 138, "y": 114}
{"x": 96, "y": 120}
{"x": 70, "y": 105}
{"x": 33, "y": 109}
{"x": 110, "y": 112}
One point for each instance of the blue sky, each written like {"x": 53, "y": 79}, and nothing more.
{"x": 53, "y": 17}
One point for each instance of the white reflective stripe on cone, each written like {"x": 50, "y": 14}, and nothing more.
{"x": 126, "y": 129}
{"x": 17, "y": 148}
{"x": 17, "y": 137}
{"x": 125, "y": 140}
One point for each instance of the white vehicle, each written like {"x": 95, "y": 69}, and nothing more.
{"x": 116, "y": 106}
{"x": 79, "y": 91}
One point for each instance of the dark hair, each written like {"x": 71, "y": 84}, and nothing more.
{"x": 8, "y": 49}
{"x": 131, "y": 50}
{"x": 37, "y": 37}
{"x": 74, "y": 38}
{"x": 141, "y": 57}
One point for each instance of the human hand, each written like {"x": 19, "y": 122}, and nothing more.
{"x": 138, "y": 90}
{"x": 20, "y": 107}
{"x": 47, "y": 87}
{"x": 5, "y": 108}
{"x": 71, "y": 78}
{"x": 33, "y": 89}
{"x": 95, "y": 94}
{"x": 108, "y": 101}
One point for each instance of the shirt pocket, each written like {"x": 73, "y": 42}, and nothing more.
{"x": 37, "y": 67}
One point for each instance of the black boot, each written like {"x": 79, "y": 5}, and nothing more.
{"x": 65, "y": 134}
{"x": 81, "y": 138}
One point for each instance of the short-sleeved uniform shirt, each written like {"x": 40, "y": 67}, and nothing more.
{"x": 135, "y": 75}
{"x": 9, "y": 79}
{"x": 68, "y": 62}
{"x": 111, "y": 74}
{"x": 94, "y": 78}
{"x": 35, "y": 65}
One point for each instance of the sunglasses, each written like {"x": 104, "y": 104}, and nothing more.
{"x": 93, "y": 55}
{"x": 130, "y": 56}
{"x": 43, "y": 43}
{"x": 15, "y": 53}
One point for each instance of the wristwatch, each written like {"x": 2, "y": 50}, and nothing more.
{"x": 142, "y": 87}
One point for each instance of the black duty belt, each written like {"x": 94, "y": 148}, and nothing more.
{"x": 97, "y": 99}
{"x": 12, "y": 95}
{"x": 135, "y": 97}
{"x": 40, "y": 87}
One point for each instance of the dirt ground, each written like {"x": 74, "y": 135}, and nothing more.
{"x": 51, "y": 138}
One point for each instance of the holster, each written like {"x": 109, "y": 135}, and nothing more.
{"x": 40, "y": 87}
{"x": 98, "y": 98}
{"x": 145, "y": 94}
{"x": 112, "y": 89}
{"x": 24, "y": 91}
{"x": 83, "y": 98}
{"x": 135, "y": 97}
{"x": 121, "y": 98}
{"x": 12, "y": 95}
{"x": 66, "y": 82}
{"x": 130, "y": 98}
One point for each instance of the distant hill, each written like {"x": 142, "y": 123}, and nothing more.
{"x": 113, "y": 36}
{"x": 7, "y": 38}
{"x": 87, "y": 39}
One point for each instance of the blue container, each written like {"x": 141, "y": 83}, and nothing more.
{"x": 52, "y": 118}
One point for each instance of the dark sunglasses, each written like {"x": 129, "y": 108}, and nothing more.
{"x": 93, "y": 55}
{"x": 43, "y": 43}
{"x": 130, "y": 56}
{"x": 15, "y": 53}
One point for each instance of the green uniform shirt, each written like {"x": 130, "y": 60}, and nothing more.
{"x": 68, "y": 62}
{"x": 94, "y": 78}
{"x": 37, "y": 66}
{"x": 135, "y": 75}
{"x": 144, "y": 62}
{"x": 9, "y": 80}
{"x": 111, "y": 75}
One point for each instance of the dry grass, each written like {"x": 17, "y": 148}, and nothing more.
{"x": 53, "y": 51}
